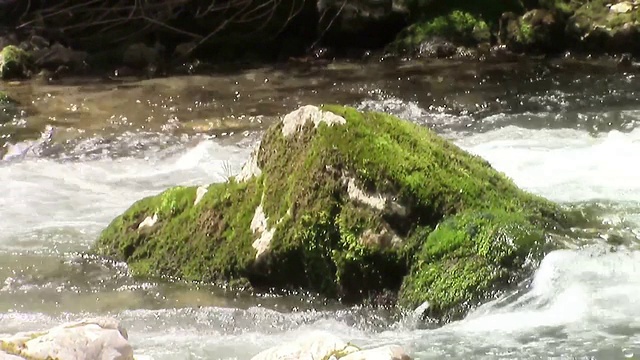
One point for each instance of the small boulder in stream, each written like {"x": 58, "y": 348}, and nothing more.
{"x": 353, "y": 205}
{"x": 15, "y": 63}
{"x": 89, "y": 339}
{"x": 323, "y": 345}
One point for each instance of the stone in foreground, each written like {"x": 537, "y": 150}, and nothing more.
{"x": 90, "y": 339}
{"x": 354, "y": 205}
{"x": 323, "y": 345}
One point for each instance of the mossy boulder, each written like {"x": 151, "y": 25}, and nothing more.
{"x": 606, "y": 26}
{"x": 457, "y": 27}
{"x": 352, "y": 205}
{"x": 538, "y": 30}
{"x": 15, "y": 63}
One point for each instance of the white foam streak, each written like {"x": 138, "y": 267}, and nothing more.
{"x": 41, "y": 193}
{"x": 565, "y": 165}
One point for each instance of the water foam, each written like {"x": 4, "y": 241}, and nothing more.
{"x": 565, "y": 165}
{"x": 44, "y": 193}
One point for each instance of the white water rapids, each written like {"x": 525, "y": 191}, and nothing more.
{"x": 581, "y": 304}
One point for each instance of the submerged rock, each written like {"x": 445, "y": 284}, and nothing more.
{"x": 90, "y": 339}
{"x": 352, "y": 205}
{"x": 15, "y": 63}
{"x": 57, "y": 56}
{"x": 323, "y": 345}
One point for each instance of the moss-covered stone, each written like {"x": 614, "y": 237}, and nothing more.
{"x": 14, "y": 63}
{"x": 538, "y": 30}
{"x": 346, "y": 207}
{"x": 606, "y": 26}
{"x": 459, "y": 27}
{"x": 470, "y": 256}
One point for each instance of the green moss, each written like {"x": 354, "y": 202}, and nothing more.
{"x": 324, "y": 240}
{"x": 457, "y": 26}
{"x": 596, "y": 13}
{"x": 186, "y": 236}
{"x": 340, "y": 353}
{"x": 566, "y": 7}
{"x": 469, "y": 257}
{"x": 525, "y": 33}
{"x": 14, "y": 63}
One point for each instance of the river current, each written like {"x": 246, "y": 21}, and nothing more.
{"x": 78, "y": 153}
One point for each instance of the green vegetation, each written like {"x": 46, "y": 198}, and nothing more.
{"x": 14, "y": 63}
{"x": 326, "y": 239}
{"x": 595, "y": 13}
{"x": 458, "y": 26}
{"x": 470, "y": 255}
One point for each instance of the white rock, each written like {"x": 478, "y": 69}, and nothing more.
{"x": 5, "y": 356}
{"x": 295, "y": 120}
{"x": 90, "y": 339}
{"x": 200, "y": 194}
{"x": 259, "y": 227}
{"x": 148, "y": 221}
{"x": 314, "y": 346}
{"x": 376, "y": 201}
{"x": 621, "y": 7}
{"x": 142, "y": 357}
{"x": 250, "y": 168}
{"x": 389, "y": 352}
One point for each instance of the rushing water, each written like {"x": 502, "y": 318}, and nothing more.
{"x": 79, "y": 153}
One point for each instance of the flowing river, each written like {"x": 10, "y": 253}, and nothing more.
{"x": 77, "y": 153}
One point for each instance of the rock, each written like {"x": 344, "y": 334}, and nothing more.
{"x": 437, "y": 47}
{"x": 323, "y": 345}
{"x": 538, "y": 30}
{"x": 594, "y": 27}
{"x": 38, "y": 42}
{"x": 458, "y": 28}
{"x": 15, "y": 63}
{"x": 250, "y": 169}
{"x": 318, "y": 345}
{"x": 389, "y": 352}
{"x": 5, "y": 356}
{"x": 99, "y": 338}
{"x": 58, "y": 56}
{"x": 622, "y": 7}
{"x": 183, "y": 51}
{"x": 351, "y": 205}
{"x": 8, "y": 39}
{"x": 140, "y": 55}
